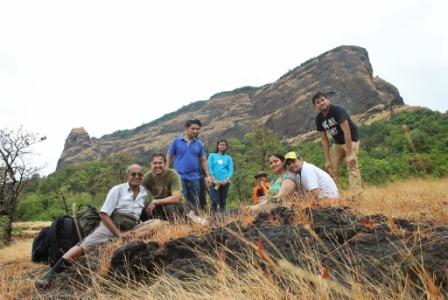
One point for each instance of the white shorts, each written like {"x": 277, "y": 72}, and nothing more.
{"x": 102, "y": 234}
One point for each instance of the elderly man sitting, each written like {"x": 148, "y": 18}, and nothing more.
{"x": 119, "y": 215}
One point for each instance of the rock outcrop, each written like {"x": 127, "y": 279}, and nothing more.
{"x": 345, "y": 73}
{"x": 372, "y": 250}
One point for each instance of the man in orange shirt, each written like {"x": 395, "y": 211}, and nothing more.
{"x": 261, "y": 189}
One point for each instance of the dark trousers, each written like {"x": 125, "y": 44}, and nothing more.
{"x": 170, "y": 212}
{"x": 219, "y": 197}
{"x": 202, "y": 194}
{"x": 191, "y": 190}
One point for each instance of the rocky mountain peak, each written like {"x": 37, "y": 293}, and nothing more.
{"x": 76, "y": 144}
{"x": 344, "y": 73}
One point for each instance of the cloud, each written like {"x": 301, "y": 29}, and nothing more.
{"x": 109, "y": 65}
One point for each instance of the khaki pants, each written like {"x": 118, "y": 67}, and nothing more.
{"x": 337, "y": 155}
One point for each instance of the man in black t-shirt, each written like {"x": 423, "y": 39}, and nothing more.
{"x": 335, "y": 121}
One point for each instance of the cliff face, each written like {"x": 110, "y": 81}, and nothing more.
{"x": 284, "y": 106}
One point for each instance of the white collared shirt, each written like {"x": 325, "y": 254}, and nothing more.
{"x": 121, "y": 199}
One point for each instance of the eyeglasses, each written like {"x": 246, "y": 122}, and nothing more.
{"x": 136, "y": 174}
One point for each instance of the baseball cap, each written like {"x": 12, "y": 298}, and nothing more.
{"x": 260, "y": 174}
{"x": 291, "y": 155}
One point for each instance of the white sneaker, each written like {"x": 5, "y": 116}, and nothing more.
{"x": 197, "y": 219}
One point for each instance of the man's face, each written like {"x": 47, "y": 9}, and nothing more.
{"x": 293, "y": 165}
{"x": 135, "y": 176}
{"x": 158, "y": 165}
{"x": 193, "y": 130}
{"x": 322, "y": 104}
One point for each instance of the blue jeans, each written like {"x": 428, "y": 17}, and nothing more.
{"x": 219, "y": 197}
{"x": 190, "y": 189}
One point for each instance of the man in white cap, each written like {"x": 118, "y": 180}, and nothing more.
{"x": 316, "y": 182}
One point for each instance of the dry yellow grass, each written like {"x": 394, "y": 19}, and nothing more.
{"x": 18, "y": 250}
{"x": 418, "y": 200}
{"x": 24, "y": 230}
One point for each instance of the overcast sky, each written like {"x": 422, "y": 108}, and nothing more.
{"x": 109, "y": 65}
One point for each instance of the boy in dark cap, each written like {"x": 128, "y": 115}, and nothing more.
{"x": 261, "y": 189}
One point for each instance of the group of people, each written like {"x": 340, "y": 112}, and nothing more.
{"x": 294, "y": 176}
{"x": 177, "y": 191}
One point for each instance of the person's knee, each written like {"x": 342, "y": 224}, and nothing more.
{"x": 73, "y": 253}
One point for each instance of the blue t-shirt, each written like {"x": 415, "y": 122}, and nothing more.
{"x": 220, "y": 166}
{"x": 187, "y": 157}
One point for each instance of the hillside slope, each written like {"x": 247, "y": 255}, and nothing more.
{"x": 345, "y": 73}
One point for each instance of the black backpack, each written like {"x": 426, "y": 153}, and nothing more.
{"x": 52, "y": 242}
{"x": 41, "y": 243}
{"x": 62, "y": 236}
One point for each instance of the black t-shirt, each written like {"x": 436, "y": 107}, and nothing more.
{"x": 330, "y": 123}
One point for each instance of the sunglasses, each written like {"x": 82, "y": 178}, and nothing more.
{"x": 136, "y": 174}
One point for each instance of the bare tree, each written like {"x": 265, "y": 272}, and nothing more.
{"x": 15, "y": 170}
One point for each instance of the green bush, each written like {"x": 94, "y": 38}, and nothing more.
{"x": 386, "y": 155}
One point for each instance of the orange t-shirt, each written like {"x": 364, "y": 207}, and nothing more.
{"x": 256, "y": 191}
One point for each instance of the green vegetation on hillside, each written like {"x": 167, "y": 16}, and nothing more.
{"x": 244, "y": 89}
{"x": 193, "y": 106}
{"x": 386, "y": 155}
{"x": 186, "y": 108}
{"x": 85, "y": 183}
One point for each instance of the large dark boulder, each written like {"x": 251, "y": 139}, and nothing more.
{"x": 378, "y": 247}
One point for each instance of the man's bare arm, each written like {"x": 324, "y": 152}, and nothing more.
{"x": 350, "y": 158}
{"x": 173, "y": 199}
{"x": 326, "y": 149}
{"x": 347, "y": 136}
{"x": 287, "y": 188}
{"x": 109, "y": 224}
{"x": 314, "y": 193}
{"x": 169, "y": 158}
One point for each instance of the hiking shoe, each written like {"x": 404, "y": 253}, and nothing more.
{"x": 45, "y": 280}
{"x": 196, "y": 219}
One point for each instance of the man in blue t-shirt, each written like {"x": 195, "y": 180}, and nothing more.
{"x": 335, "y": 121}
{"x": 189, "y": 156}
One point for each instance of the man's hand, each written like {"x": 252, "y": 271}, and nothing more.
{"x": 150, "y": 208}
{"x": 208, "y": 181}
{"x": 351, "y": 160}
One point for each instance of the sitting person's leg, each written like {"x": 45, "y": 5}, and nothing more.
{"x": 100, "y": 235}
{"x": 147, "y": 228}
